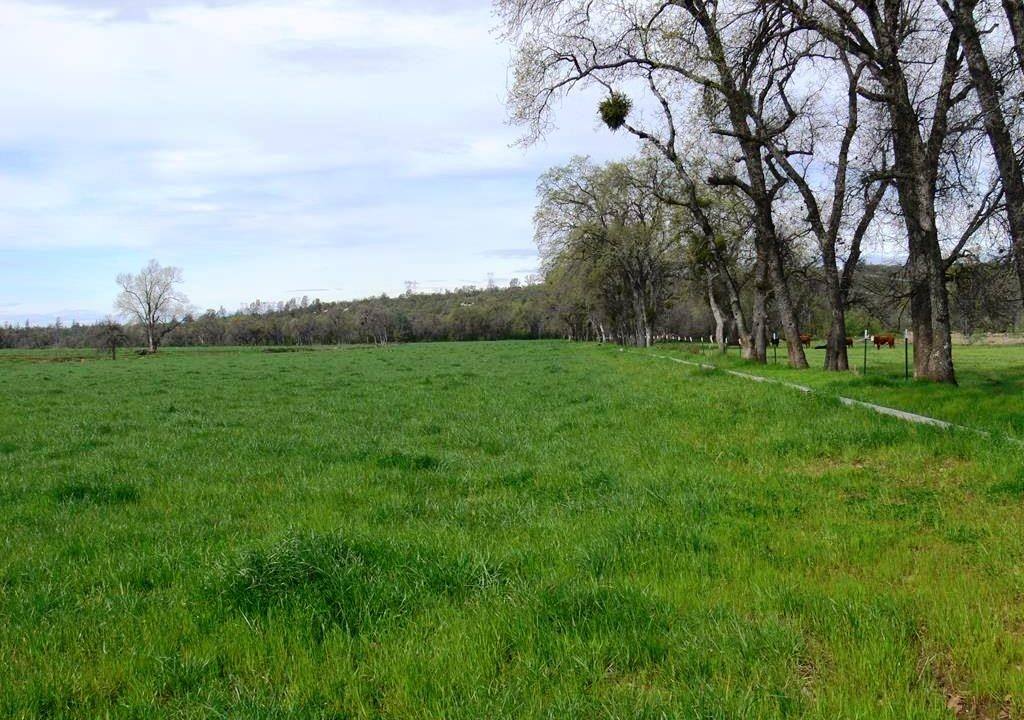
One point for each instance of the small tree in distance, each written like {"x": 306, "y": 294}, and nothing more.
{"x": 109, "y": 336}
{"x": 153, "y": 300}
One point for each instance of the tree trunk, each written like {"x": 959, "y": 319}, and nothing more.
{"x": 1014, "y": 10}
{"x": 643, "y": 337}
{"x": 836, "y": 357}
{"x": 735, "y": 307}
{"x": 940, "y": 361}
{"x": 929, "y": 304}
{"x": 739, "y": 103}
{"x": 758, "y": 346}
{"x": 641, "y": 329}
{"x": 719, "y": 316}
{"x": 916, "y": 164}
{"x": 770, "y": 256}
{"x": 151, "y": 338}
{"x": 787, "y": 314}
{"x": 733, "y": 291}
{"x": 989, "y": 97}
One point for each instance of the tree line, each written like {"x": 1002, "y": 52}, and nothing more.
{"x": 517, "y": 312}
{"x": 563, "y": 306}
{"x": 781, "y": 138}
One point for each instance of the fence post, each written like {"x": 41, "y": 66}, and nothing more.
{"x": 865, "y": 369}
{"x": 906, "y": 354}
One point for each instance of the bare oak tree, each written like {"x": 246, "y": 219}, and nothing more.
{"x": 152, "y": 299}
{"x": 821, "y": 141}
{"x": 681, "y": 50}
{"x": 718, "y": 236}
{"x": 914, "y": 72}
{"x": 997, "y": 84}
{"x": 108, "y": 336}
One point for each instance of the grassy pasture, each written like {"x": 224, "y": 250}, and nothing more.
{"x": 502, "y": 530}
{"x": 990, "y": 395}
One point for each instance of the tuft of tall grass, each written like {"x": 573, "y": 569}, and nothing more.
{"x": 98, "y": 492}
{"x": 358, "y": 584}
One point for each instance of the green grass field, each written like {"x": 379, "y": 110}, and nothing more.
{"x": 517, "y": 530}
{"x": 990, "y": 395}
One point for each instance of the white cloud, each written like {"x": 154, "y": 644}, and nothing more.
{"x": 202, "y": 132}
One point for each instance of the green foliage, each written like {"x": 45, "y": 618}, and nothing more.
{"x": 611, "y": 247}
{"x": 614, "y": 110}
{"x": 469, "y": 313}
{"x": 502, "y": 530}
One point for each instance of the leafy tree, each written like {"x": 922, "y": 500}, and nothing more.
{"x": 606, "y": 228}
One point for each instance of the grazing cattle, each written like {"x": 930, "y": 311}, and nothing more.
{"x": 881, "y": 340}
{"x": 805, "y": 339}
{"x": 849, "y": 343}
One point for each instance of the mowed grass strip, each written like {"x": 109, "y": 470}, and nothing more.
{"x": 492, "y": 530}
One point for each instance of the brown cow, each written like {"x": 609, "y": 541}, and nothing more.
{"x": 881, "y": 340}
{"x": 805, "y": 339}
{"x": 849, "y": 342}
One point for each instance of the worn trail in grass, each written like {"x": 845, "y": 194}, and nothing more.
{"x": 492, "y": 530}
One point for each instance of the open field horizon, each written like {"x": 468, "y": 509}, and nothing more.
{"x": 343, "y": 373}
{"x": 511, "y": 529}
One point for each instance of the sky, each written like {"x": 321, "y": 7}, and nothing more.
{"x": 271, "y": 149}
